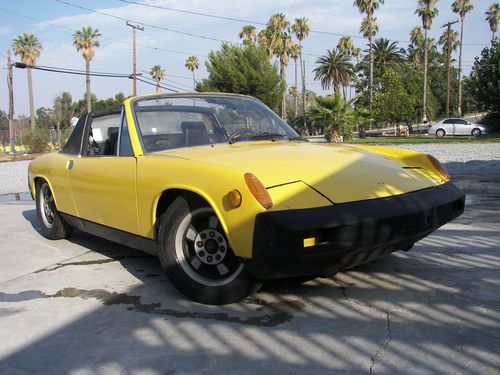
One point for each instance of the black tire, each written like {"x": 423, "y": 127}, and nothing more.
{"x": 476, "y": 132}
{"x": 53, "y": 225}
{"x": 195, "y": 255}
{"x": 440, "y": 133}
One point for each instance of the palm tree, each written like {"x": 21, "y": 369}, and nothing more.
{"x": 335, "y": 69}
{"x": 294, "y": 93}
{"x": 28, "y": 47}
{"x": 157, "y": 73}
{"x": 369, "y": 29}
{"x": 300, "y": 29}
{"x": 449, "y": 41}
{"x": 427, "y": 11}
{"x": 461, "y": 7}
{"x": 294, "y": 54}
{"x": 415, "y": 49}
{"x": 86, "y": 41}
{"x": 417, "y": 36}
{"x": 452, "y": 36}
{"x": 248, "y": 33}
{"x": 346, "y": 45}
{"x": 335, "y": 114}
{"x": 192, "y": 64}
{"x": 493, "y": 16}
{"x": 386, "y": 53}
{"x": 265, "y": 41}
{"x": 279, "y": 42}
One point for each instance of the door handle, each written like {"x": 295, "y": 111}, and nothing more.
{"x": 69, "y": 164}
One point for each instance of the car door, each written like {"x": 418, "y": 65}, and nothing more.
{"x": 449, "y": 126}
{"x": 462, "y": 127}
{"x": 103, "y": 176}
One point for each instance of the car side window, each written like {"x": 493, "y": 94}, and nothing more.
{"x": 103, "y": 136}
{"x": 125, "y": 144}
{"x": 448, "y": 122}
{"x": 462, "y": 122}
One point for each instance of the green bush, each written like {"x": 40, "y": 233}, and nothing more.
{"x": 36, "y": 140}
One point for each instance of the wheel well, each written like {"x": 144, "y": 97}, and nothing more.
{"x": 168, "y": 196}
{"x": 36, "y": 181}
{"x": 441, "y": 129}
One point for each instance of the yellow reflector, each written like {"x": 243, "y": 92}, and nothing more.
{"x": 439, "y": 167}
{"x": 234, "y": 198}
{"x": 308, "y": 242}
{"x": 258, "y": 190}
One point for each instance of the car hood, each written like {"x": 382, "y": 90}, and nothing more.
{"x": 340, "y": 173}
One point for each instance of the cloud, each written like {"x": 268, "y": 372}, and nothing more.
{"x": 5, "y": 30}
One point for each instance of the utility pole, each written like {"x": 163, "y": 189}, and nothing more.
{"x": 11, "y": 107}
{"x": 134, "y": 27}
{"x": 304, "y": 102}
{"x": 448, "y": 65}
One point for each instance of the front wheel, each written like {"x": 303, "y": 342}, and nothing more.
{"x": 195, "y": 254}
{"x": 476, "y": 132}
{"x": 53, "y": 225}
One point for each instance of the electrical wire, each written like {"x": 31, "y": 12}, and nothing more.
{"x": 144, "y": 23}
{"x": 103, "y": 37}
{"x": 258, "y": 23}
{"x": 155, "y": 84}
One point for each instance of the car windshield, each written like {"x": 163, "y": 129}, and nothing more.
{"x": 184, "y": 121}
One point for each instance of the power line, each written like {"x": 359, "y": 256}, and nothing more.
{"x": 256, "y": 22}
{"x": 144, "y": 23}
{"x": 70, "y": 71}
{"x": 103, "y": 37}
{"x": 154, "y": 84}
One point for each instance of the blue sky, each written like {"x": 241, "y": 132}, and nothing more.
{"x": 53, "y": 22}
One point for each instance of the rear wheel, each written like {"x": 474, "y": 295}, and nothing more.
{"x": 476, "y": 132}
{"x": 195, "y": 254}
{"x": 440, "y": 133}
{"x": 53, "y": 225}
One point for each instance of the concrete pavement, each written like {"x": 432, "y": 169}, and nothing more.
{"x": 89, "y": 306}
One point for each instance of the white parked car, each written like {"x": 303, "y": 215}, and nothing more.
{"x": 456, "y": 126}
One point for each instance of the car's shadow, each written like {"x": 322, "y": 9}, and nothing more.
{"x": 395, "y": 306}
{"x": 147, "y": 268}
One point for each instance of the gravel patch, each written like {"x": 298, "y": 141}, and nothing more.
{"x": 458, "y": 158}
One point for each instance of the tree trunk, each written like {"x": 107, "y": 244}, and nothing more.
{"x": 87, "y": 81}
{"x": 424, "y": 102}
{"x": 335, "y": 134}
{"x": 448, "y": 75}
{"x": 32, "y": 105}
{"x": 460, "y": 68}
{"x": 194, "y": 81}
{"x": 303, "y": 73}
{"x": 283, "y": 101}
{"x": 361, "y": 131}
{"x": 157, "y": 87}
{"x": 58, "y": 135}
{"x": 296, "y": 98}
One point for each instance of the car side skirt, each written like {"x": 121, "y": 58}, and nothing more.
{"x": 124, "y": 238}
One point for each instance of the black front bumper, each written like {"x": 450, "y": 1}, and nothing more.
{"x": 348, "y": 234}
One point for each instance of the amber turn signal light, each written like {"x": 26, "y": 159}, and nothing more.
{"x": 234, "y": 197}
{"x": 258, "y": 190}
{"x": 439, "y": 167}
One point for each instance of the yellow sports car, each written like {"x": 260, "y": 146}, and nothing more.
{"x": 227, "y": 195}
